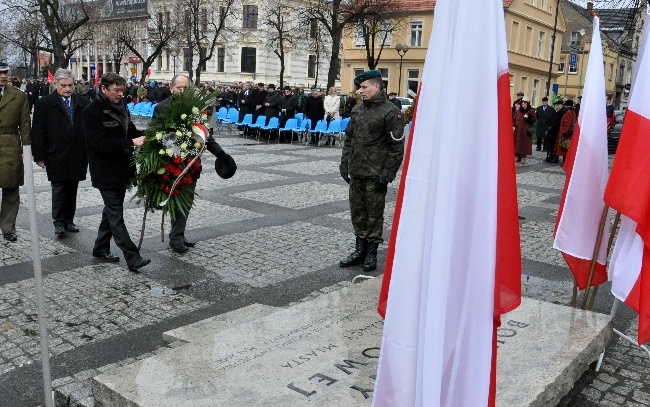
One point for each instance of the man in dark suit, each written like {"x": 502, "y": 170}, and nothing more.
{"x": 257, "y": 101}
{"x": 59, "y": 146}
{"x": 177, "y": 241}
{"x": 32, "y": 89}
{"x": 14, "y": 134}
{"x": 544, "y": 113}
{"x": 271, "y": 103}
{"x": 111, "y": 138}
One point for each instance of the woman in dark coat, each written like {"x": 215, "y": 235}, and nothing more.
{"x": 523, "y": 121}
{"x": 569, "y": 119}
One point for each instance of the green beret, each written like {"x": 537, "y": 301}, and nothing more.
{"x": 365, "y": 76}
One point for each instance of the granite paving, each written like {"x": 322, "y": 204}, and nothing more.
{"x": 273, "y": 234}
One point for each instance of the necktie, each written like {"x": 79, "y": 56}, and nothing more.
{"x": 68, "y": 108}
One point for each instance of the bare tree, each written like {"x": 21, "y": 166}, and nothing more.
{"x": 206, "y": 25}
{"x": 117, "y": 47}
{"x": 375, "y": 26}
{"x": 281, "y": 36}
{"x": 160, "y": 32}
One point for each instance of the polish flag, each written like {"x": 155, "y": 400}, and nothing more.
{"x": 628, "y": 191}
{"x": 586, "y": 166}
{"x": 454, "y": 260}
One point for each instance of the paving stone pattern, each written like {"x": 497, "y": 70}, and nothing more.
{"x": 254, "y": 249}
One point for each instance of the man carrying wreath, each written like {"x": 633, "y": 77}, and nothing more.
{"x": 225, "y": 167}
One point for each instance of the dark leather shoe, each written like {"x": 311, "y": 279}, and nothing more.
{"x": 59, "y": 230}
{"x": 139, "y": 264}
{"x": 178, "y": 248}
{"x": 71, "y": 227}
{"x": 188, "y": 243}
{"x": 111, "y": 258}
{"x": 12, "y": 237}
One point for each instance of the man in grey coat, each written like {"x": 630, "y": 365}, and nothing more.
{"x": 14, "y": 134}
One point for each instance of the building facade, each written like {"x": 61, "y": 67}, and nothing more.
{"x": 245, "y": 51}
{"x": 529, "y": 30}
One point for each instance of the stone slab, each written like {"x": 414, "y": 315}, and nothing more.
{"x": 324, "y": 353}
{"x": 196, "y": 331}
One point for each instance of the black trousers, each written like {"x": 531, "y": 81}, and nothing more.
{"x": 177, "y": 231}
{"x": 112, "y": 226}
{"x": 64, "y": 202}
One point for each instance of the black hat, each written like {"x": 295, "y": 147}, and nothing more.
{"x": 271, "y": 86}
{"x": 568, "y": 103}
{"x": 392, "y": 94}
{"x": 544, "y": 99}
{"x": 558, "y": 102}
{"x": 260, "y": 84}
{"x": 365, "y": 76}
{"x": 225, "y": 166}
{"x": 287, "y": 88}
{"x": 4, "y": 67}
{"x": 520, "y": 93}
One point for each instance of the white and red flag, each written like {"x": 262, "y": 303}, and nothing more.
{"x": 586, "y": 166}
{"x": 628, "y": 191}
{"x": 454, "y": 260}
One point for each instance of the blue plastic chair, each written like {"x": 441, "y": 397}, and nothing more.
{"x": 137, "y": 109}
{"x": 274, "y": 124}
{"x": 321, "y": 126}
{"x": 304, "y": 126}
{"x": 233, "y": 117}
{"x": 332, "y": 133}
{"x": 299, "y": 117}
{"x": 259, "y": 122}
{"x": 344, "y": 125}
{"x": 291, "y": 125}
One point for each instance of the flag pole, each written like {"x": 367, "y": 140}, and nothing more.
{"x": 594, "y": 259}
{"x": 574, "y": 301}
{"x": 38, "y": 276}
{"x": 617, "y": 219}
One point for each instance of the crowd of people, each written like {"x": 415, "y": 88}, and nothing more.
{"x": 551, "y": 126}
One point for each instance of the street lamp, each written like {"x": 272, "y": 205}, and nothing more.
{"x": 401, "y": 50}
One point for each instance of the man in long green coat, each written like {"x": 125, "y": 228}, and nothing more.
{"x": 14, "y": 134}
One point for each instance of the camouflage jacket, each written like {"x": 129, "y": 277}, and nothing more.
{"x": 369, "y": 149}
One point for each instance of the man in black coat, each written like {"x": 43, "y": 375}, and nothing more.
{"x": 257, "y": 101}
{"x": 314, "y": 107}
{"x": 111, "y": 138}
{"x": 544, "y": 114}
{"x": 272, "y": 103}
{"x": 288, "y": 106}
{"x": 177, "y": 241}
{"x": 32, "y": 89}
{"x": 59, "y": 146}
{"x": 556, "y": 119}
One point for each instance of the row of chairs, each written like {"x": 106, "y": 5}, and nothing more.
{"x": 144, "y": 109}
{"x": 323, "y": 132}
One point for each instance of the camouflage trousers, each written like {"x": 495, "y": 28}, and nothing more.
{"x": 367, "y": 208}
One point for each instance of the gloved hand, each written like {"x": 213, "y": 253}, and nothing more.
{"x": 345, "y": 177}
{"x": 222, "y": 155}
{"x": 382, "y": 184}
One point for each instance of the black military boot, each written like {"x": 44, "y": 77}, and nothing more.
{"x": 370, "y": 263}
{"x": 357, "y": 256}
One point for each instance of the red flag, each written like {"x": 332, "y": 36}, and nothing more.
{"x": 50, "y": 77}
{"x": 96, "y": 76}
{"x": 628, "y": 191}
{"x": 454, "y": 262}
{"x": 581, "y": 207}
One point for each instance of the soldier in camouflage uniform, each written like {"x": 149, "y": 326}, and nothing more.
{"x": 372, "y": 154}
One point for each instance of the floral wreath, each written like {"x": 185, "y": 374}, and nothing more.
{"x": 169, "y": 158}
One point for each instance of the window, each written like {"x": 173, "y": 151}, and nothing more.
{"x": 514, "y": 36}
{"x": 540, "y": 45}
{"x": 221, "y": 59}
{"x": 360, "y": 42}
{"x": 529, "y": 41}
{"x": 543, "y": 5}
{"x": 250, "y": 16}
{"x": 313, "y": 28}
{"x": 560, "y": 69}
{"x": 357, "y": 72}
{"x": 159, "y": 62}
{"x": 160, "y": 20}
{"x": 384, "y": 33}
{"x": 611, "y": 72}
{"x": 533, "y": 99}
{"x": 574, "y": 38}
{"x": 202, "y": 55}
{"x": 413, "y": 80}
{"x": 416, "y": 33}
{"x": 204, "y": 19}
{"x": 524, "y": 84}
{"x": 311, "y": 67}
{"x": 187, "y": 62}
{"x": 248, "y": 63}
{"x": 167, "y": 58}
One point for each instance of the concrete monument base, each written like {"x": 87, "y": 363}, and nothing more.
{"x": 324, "y": 353}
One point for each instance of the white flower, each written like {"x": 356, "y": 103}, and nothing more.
{"x": 162, "y": 151}
{"x": 159, "y": 136}
{"x": 184, "y": 116}
{"x": 169, "y": 152}
{"x": 204, "y": 117}
{"x": 178, "y": 133}
{"x": 184, "y": 146}
{"x": 183, "y": 155}
{"x": 197, "y": 145}
{"x": 195, "y": 110}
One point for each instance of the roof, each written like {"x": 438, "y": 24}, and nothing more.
{"x": 426, "y": 5}
{"x": 612, "y": 18}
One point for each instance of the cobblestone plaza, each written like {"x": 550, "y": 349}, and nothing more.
{"x": 273, "y": 234}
